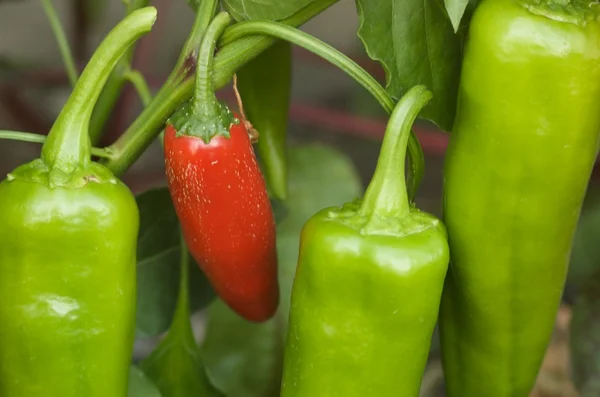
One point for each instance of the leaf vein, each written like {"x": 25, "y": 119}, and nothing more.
{"x": 152, "y": 258}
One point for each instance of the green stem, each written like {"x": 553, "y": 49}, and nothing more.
{"x": 113, "y": 87}
{"x": 181, "y": 317}
{"x": 386, "y": 195}
{"x": 141, "y": 86}
{"x": 205, "y": 101}
{"x": 61, "y": 38}
{"x": 37, "y": 138}
{"x": 340, "y": 60}
{"x": 315, "y": 46}
{"x": 188, "y": 55}
{"x": 68, "y": 146}
{"x": 142, "y": 132}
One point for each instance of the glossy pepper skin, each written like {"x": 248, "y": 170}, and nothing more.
{"x": 220, "y": 196}
{"x": 67, "y": 283}
{"x": 368, "y": 285}
{"x": 517, "y": 168}
{"x": 265, "y": 88}
{"x": 69, "y": 230}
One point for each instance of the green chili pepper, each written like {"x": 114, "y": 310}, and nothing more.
{"x": 67, "y": 259}
{"x": 517, "y": 168}
{"x": 368, "y": 285}
{"x": 265, "y": 85}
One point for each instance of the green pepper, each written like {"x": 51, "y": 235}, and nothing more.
{"x": 68, "y": 254}
{"x": 520, "y": 157}
{"x": 368, "y": 285}
{"x": 265, "y": 88}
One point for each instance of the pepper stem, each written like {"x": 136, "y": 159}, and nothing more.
{"x": 189, "y": 53}
{"x": 205, "y": 103}
{"x": 68, "y": 146}
{"x": 387, "y": 195}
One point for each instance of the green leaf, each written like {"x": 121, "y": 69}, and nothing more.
{"x": 456, "y": 10}
{"x": 415, "y": 42}
{"x": 264, "y": 86}
{"x": 245, "y": 359}
{"x": 140, "y": 385}
{"x": 158, "y": 266}
{"x": 274, "y": 10}
{"x": 242, "y": 358}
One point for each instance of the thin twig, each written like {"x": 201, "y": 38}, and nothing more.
{"x": 141, "y": 86}
{"x": 238, "y": 97}
{"x": 38, "y": 138}
{"x": 61, "y": 38}
{"x": 252, "y": 132}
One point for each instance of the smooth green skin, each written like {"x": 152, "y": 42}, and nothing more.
{"x": 67, "y": 261}
{"x": 517, "y": 168}
{"x": 265, "y": 87}
{"x": 364, "y": 307}
{"x": 368, "y": 284}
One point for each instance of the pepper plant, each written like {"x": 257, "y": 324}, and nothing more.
{"x": 308, "y": 285}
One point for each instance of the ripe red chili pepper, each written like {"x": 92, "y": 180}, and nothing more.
{"x": 220, "y": 196}
{"x": 225, "y": 213}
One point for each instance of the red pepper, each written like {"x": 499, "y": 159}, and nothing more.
{"x": 221, "y": 200}
{"x": 220, "y": 195}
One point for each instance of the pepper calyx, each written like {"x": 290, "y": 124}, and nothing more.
{"x": 38, "y": 171}
{"x": 578, "y": 12}
{"x": 188, "y": 121}
{"x": 416, "y": 221}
